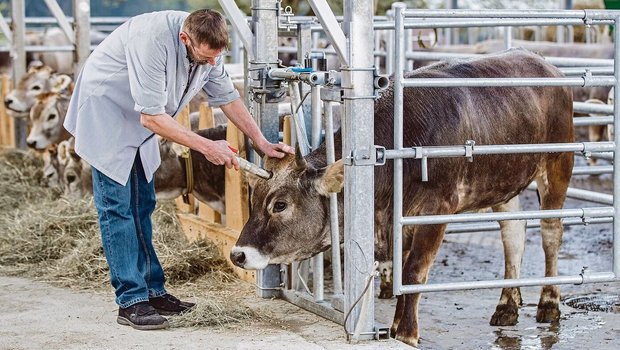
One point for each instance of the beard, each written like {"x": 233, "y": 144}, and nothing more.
{"x": 192, "y": 56}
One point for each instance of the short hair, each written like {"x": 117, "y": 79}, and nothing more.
{"x": 207, "y": 26}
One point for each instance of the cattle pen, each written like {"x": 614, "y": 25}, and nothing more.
{"x": 314, "y": 91}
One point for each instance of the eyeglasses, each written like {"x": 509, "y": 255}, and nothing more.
{"x": 199, "y": 58}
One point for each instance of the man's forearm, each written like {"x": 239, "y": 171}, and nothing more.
{"x": 237, "y": 113}
{"x": 168, "y": 128}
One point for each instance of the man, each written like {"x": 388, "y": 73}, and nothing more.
{"x": 143, "y": 73}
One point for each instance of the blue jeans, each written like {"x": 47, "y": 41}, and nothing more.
{"x": 127, "y": 235}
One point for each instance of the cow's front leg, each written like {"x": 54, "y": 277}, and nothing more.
{"x": 513, "y": 238}
{"x": 426, "y": 242}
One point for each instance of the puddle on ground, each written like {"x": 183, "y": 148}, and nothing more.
{"x": 594, "y": 302}
{"x": 545, "y": 336}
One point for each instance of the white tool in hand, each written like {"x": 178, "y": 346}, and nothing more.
{"x": 251, "y": 167}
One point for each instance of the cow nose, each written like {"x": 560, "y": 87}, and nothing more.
{"x": 71, "y": 178}
{"x": 238, "y": 258}
{"x": 8, "y": 101}
{"x": 31, "y": 144}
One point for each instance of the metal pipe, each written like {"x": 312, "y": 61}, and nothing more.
{"x": 483, "y": 22}
{"x": 262, "y": 46}
{"x": 298, "y": 118}
{"x": 593, "y": 170}
{"x": 317, "y": 261}
{"x": 537, "y": 13}
{"x": 585, "y": 70}
{"x": 333, "y": 201}
{"x": 510, "y": 82}
{"x": 358, "y": 89}
{"x": 81, "y": 11}
{"x": 381, "y": 82}
{"x": 18, "y": 56}
{"x": 462, "y": 151}
{"x": 511, "y": 283}
{"x": 602, "y": 155}
{"x": 590, "y": 196}
{"x": 332, "y": 28}
{"x": 315, "y": 95}
{"x": 606, "y": 120}
{"x": 399, "y": 65}
{"x": 494, "y": 226}
{"x": 556, "y": 61}
{"x": 616, "y": 163}
{"x": 239, "y": 22}
{"x": 594, "y": 212}
{"x": 61, "y": 19}
{"x": 583, "y": 107}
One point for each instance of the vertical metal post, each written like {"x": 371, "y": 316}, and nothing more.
{"x": 357, "y": 82}
{"x": 389, "y": 45}
{"x": 397, "y": 280}
{"x": 453, "y": 33}
{"x": 616, "y": 190}
{"x": 18, "y": 15}
{"x": 318, "y": 282}
{"x": 333, "y": 201}
{"x": 304, "y": 46}
{"x": 508, "y": 37}
{"x": 81, "y": 17}
{"x": 235, "y": 50}
{"x": 409, "y": 38}
{"x": 265, "y": 40}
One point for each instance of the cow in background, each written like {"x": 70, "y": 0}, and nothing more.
{"x": 289, "y": 216}
{"x": 38, "y": 80}
{"x": 46, "y": 118}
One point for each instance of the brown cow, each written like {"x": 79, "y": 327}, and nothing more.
{"x": 289, "y": 219}
{"x": 46, "y": 118}
{"x": 546, "y": 49}
{"x": 170, "y": 178}
{"x": 38, "y": 80}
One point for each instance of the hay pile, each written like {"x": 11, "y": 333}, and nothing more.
{"x": 46, "y": 236}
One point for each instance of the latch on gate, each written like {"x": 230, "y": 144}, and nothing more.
{"x": 373, "y": 155}
{"x": 419, "y": 154}
{"x": 469, "y": 150}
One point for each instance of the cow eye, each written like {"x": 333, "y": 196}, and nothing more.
{"x": 36, "y": 88}
{"x": 51, "y": 116}
{"x": 279, "y": 206}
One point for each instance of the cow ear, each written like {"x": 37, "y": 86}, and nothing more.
{"x": 251, "y": 179}
{"x": 332, "y": 179}
{"x": 63, "y": 152}
{"x": 60, "y": 83}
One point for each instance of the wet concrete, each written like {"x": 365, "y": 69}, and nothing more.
{"x": 460, "y": 320}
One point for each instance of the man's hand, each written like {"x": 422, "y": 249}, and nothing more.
{"x": 220, "y": 153}
{"x": 275, "y": 150}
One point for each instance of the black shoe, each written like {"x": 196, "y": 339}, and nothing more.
{"x": 141, "y": 316}
{"x": 168, "y": 305}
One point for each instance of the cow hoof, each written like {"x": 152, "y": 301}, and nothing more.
{"x": 412, "y": 341}
{"x": 393, "y": 332}
{"x": 385, "y": 293}
{"x": 547, "y": 312}
{"x": 505, "y": 315}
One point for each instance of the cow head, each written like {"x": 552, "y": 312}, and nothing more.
{"x": 73, "y": 169}
{"x": 51, "y": 167}
{"x": 39, "y": 79}
{"x": 289, "y": 219}
{"x": 46, "y": 119}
